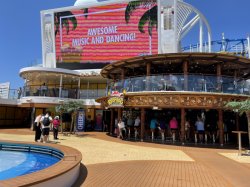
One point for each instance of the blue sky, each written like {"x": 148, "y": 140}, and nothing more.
{"x": 20, "y": 33}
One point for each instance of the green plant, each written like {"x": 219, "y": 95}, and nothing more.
{"x": 241, "y": 107}
{"x": 70, "y": 107}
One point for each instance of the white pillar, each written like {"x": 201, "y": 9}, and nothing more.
{"x": 201, "y": 36}
{"x": 239, "y": 140}
{"x": 79, "y": 87}
{"x": 60, "y": 88}
{"x": 88, "y": 90}
{"x": 248, "y": 46}
{"x": 223, "y": 42}
{"x": 176, "y": 43}
{"x": 209, "y": 43}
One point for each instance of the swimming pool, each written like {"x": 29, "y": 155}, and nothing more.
{"x": 15, "y": 163}
{"x": 17, "y": 160}
{"x": 34, "y": 164}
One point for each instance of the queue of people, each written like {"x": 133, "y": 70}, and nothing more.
{"x": 124, "y": 127}
{"x": 198, "y": 131}
{"x": 156, "y": 127}
{"x": 43, "y": 124}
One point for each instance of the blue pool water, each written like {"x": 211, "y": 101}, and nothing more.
{"x": 13, "y": 163}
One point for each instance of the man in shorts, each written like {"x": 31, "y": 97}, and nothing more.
{"x": 46, "y": 121}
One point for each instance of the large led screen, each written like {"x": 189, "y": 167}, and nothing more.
{"x": 106, "y": 34}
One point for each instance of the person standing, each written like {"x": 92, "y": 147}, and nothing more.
{"x": 44, "y": 89}
{"x": 130, "y": 124}
{"x": 162, "y": 127}
{"x": 136, "y": 125}
{"x": 121, "y": 126}
{"x": 174, "y": 127}
{"x": 56, "y": 124}
{"x": 19, "y": 92}
{"x": 37, "y": 127}
{"x": 200, "y": 128}
{"x": 46, "y": 121}
{"x": 105, "y": 125}
{"x": 153, "y": 124}
{"x": 116, "y": 127}
{"x": 187, "y": 130}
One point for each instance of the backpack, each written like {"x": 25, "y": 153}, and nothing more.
{"x": 46, "y": 121}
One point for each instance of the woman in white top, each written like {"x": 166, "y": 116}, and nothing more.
{"x": 121, "y": 127}
{"x": 136, "y": 125}
{"x": 200, "y": 128}
{"x": 37, "y": 127}
{"x": 137, "y": 121}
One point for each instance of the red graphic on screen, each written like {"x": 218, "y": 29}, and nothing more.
{"x": 102, "y": 34}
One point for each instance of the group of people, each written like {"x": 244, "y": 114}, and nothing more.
{"x": 43, "y": 124}
{"x": 209, "y": 132}
{"x": 124, "y": 130}
{"x": 162, "y": 127}
{"x": 199, "y": 130}
{"x": 173, "y": 128}
{"x": 196, "y": 129}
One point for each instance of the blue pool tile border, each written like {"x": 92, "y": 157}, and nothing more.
{"x": 6, "y": 146}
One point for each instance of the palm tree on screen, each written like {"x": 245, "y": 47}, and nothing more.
{"x": 66, "y": 21}
{"x": 150, "y": 16}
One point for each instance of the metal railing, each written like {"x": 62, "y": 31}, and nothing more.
{"x": 239, "y": 47}
{"x": 8, "y": 94}
{"x": 54, "y": 91}
{"x": 31, "y": 148}
{"x": 178, "y": 82}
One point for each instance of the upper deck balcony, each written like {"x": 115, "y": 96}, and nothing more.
{"x": 192, "y": 72}
{"x": 180, "y": 82}
{"x": 52, "y": 85}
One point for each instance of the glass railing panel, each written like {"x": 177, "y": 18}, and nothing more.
{"x": 177, "y": 82}
{"x": 64, "y": 93}
{"x": 138, "y": 84}
{"x": 72, "y": 93}
{"x": 172, "y": 82}
{"x": 52, "y": 91}
{"x": 83, "y": 94}
{"x": 13, "y": 94}
{"x": 31, "y": 91}
{"x": 227, "y": 85}
{"x": 128, "y": 85}
{"x": 211, "y": 84}
{"x": 92, "y": 94}
{"x": 8, "y": 93}
{"x": 41, "y": 91}
{"x": 242, "y": 87}
{"x": 196, "y": 83}
{"x": 101, "y": 92}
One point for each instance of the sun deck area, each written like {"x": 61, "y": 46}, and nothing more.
{"x": 109, "y": 161}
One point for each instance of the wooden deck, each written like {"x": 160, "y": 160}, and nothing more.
{"x": 209, "y": 168}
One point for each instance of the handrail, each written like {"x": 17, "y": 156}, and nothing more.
{"x": 181, "y": 82}
{"x": 31, "y": 148}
